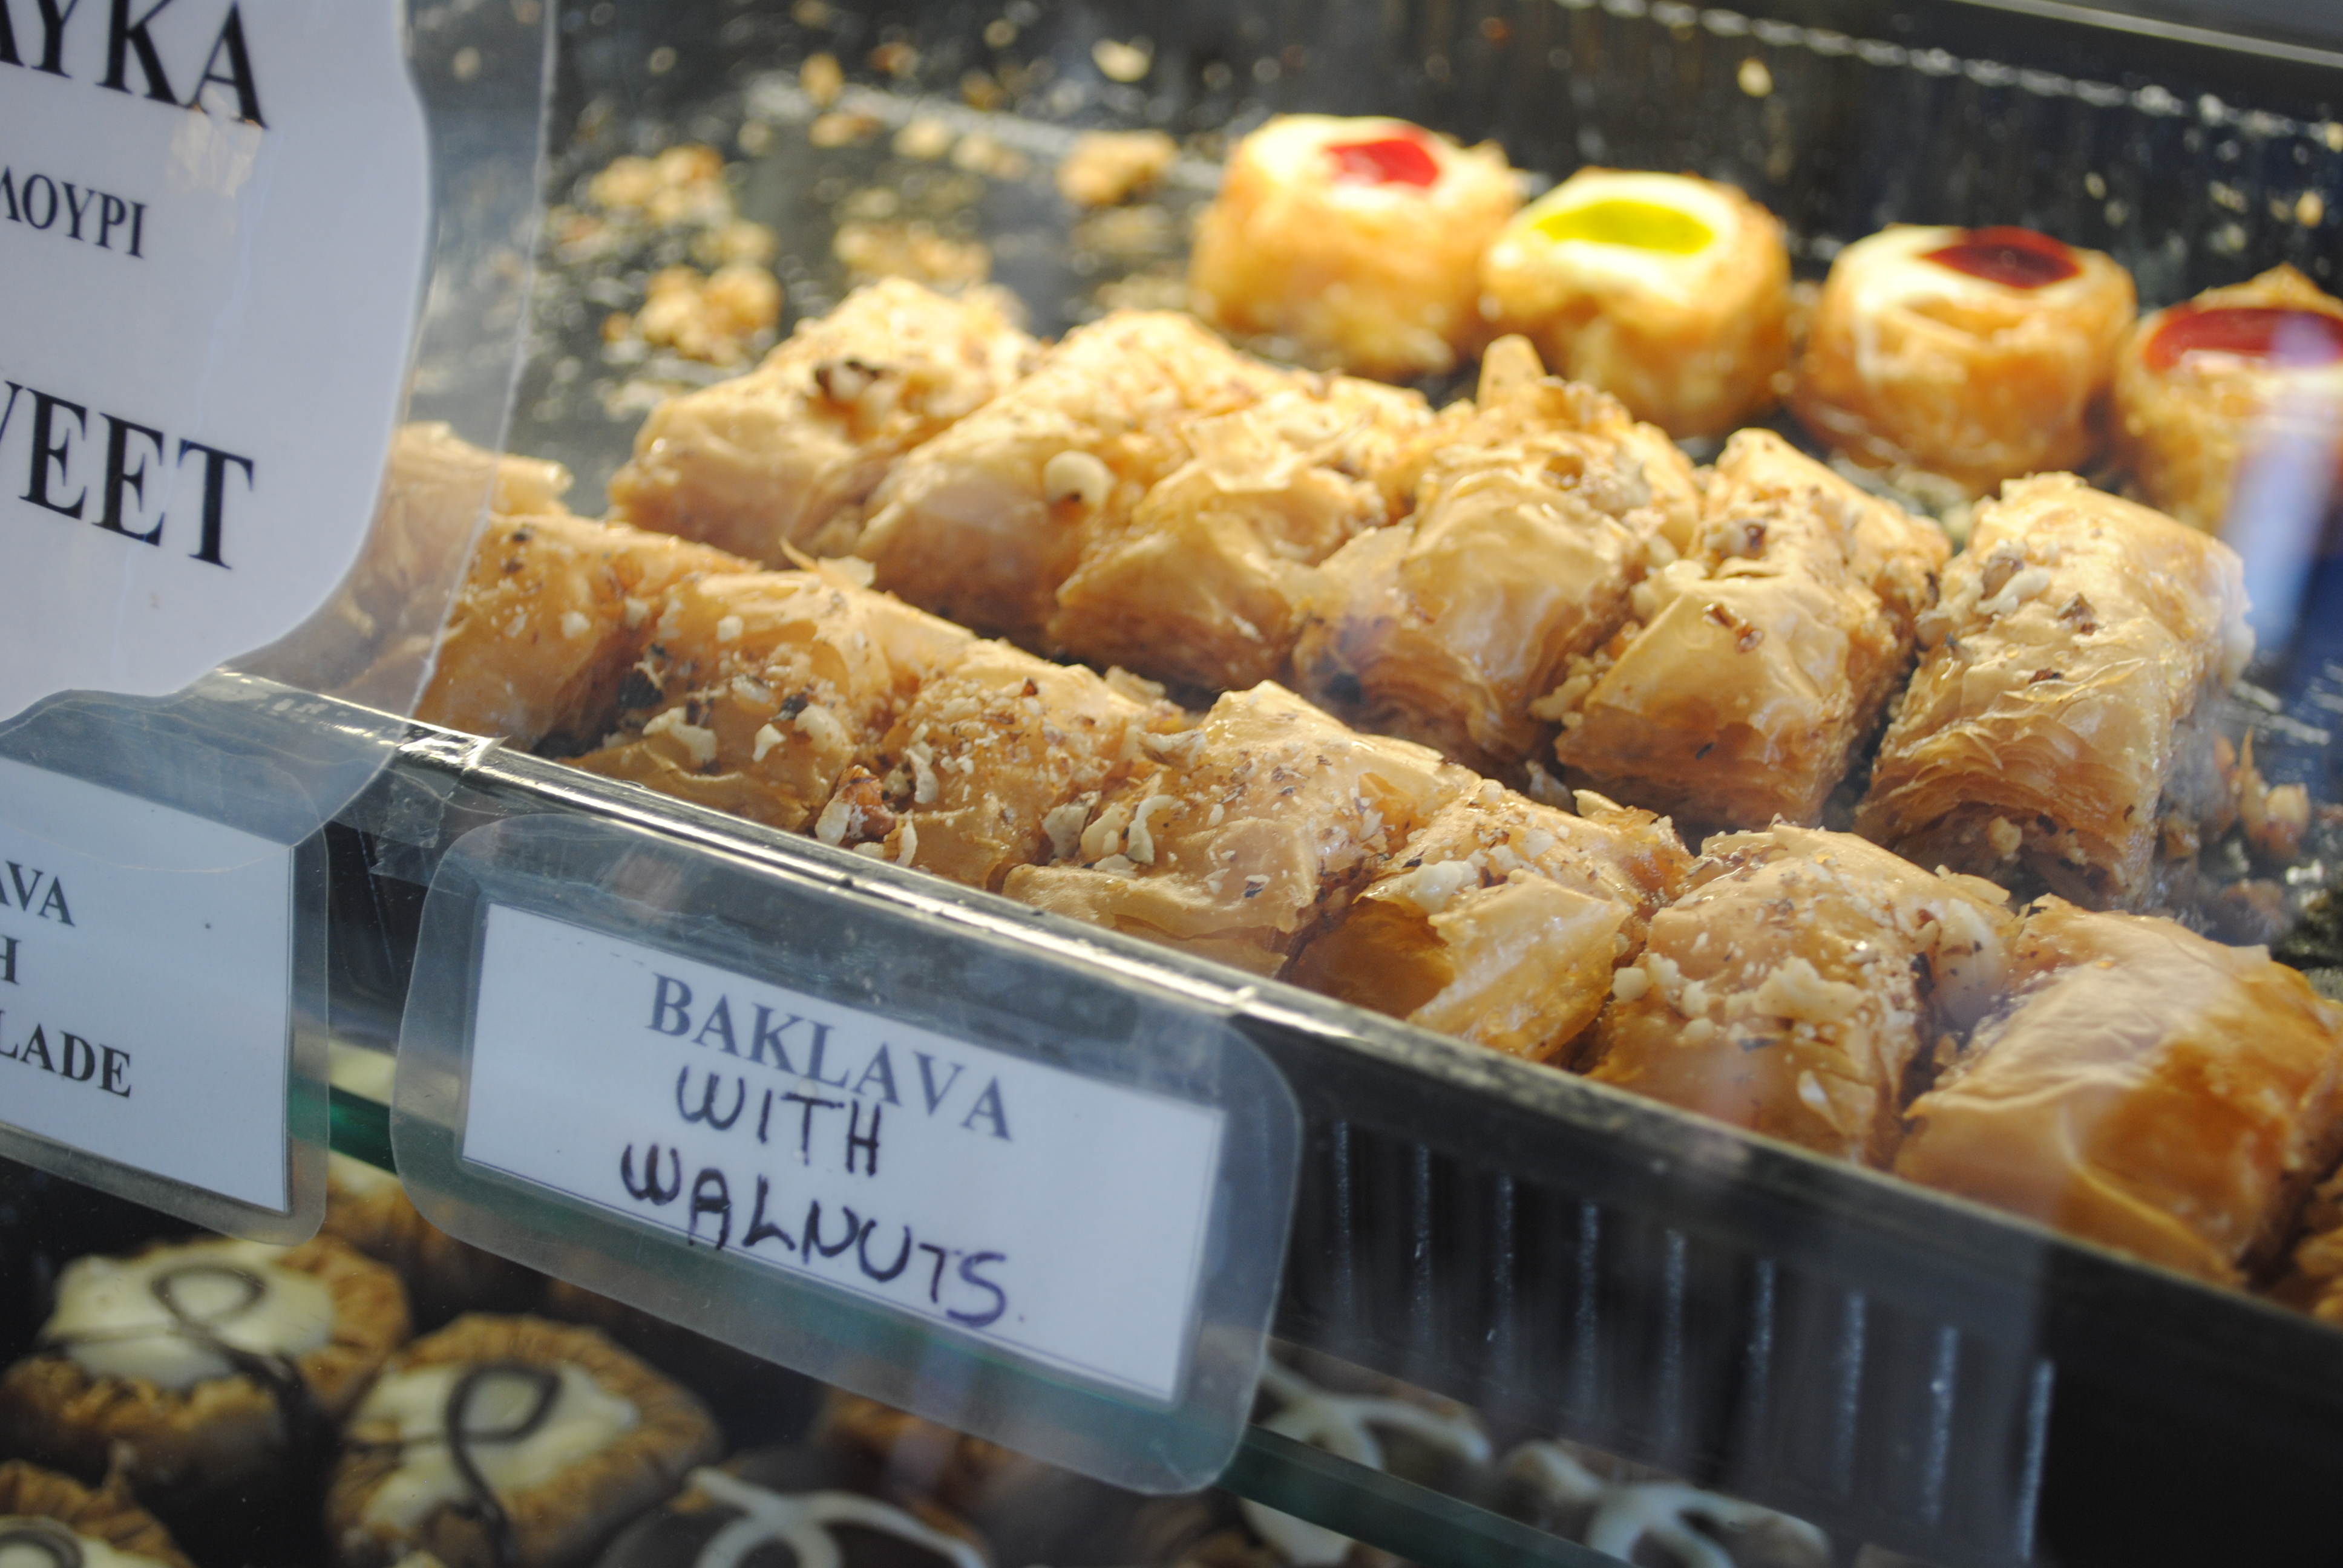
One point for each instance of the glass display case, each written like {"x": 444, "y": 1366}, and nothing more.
{"x": 1446, "y": 1303}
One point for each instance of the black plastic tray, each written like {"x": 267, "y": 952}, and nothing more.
{"x": 1899, "y": 1366}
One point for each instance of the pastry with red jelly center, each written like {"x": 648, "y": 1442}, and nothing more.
{"x": 2250, "y": 374}
{"x": 1668, "y": 292}
{"x": 1357, "y": 242}
{"x": 1977, "y": 354}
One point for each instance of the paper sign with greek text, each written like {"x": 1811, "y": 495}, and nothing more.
{"x": 213, "y": 220}
{"x": 1045, "y": 1211}
{"x": 144, "y": 985}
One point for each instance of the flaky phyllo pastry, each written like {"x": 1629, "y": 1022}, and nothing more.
{"x": 2145, "y": 1088}
{"x": 1762, "y": 655}
{"x": 1235, "y": 844}
{"x": 982, "y": 523}
{"x": 995, "y": 764}
{"x": 757, "y": 690}
{"x": 2058, "y": 730}
{"x": 1796, "y": 982}
{"x": 1502, "y": 920}
{"x": 784, "y": 456}
{"x": 1202, "y": 582}
{"x": 1533, "y": 511}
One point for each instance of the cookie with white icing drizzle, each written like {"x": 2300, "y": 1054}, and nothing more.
{"x": 509, "y": 1443}
{"x": 367, "y": 1207}
{"x": 1365, "y": 1429}
{"x": 52, "y": 1521}
{"x": 1643, "y": 1519}
{"x": 218, "y": 1367}
{"x": 801, "y": 1507}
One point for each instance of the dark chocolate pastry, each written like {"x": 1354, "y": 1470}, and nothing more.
{"x": 797, "y": 1507}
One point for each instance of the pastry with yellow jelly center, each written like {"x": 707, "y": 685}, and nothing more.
{"x": 1980, "y": 355}
{"x": 2249, "y": 374}
{"x": 1356, "y": 240}
{"x": 1670, "y": 293}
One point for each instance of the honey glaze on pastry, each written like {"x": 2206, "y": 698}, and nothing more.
{"x": 2203, "y": 386}
{"x": 2143, "y": 1088}
{"x": 1980, "y": 355}
{"x": 52, "y": 1521}
{"x": 2058, "y": 735}
{"x": 996, "y": 759}
{"x": 1357, "y": 240}
{"x": 784, "y": 456}
{"x": 551, "y": 612}
{"x": 982, "y": 523}
{"x": 1762, "y": 656}
{"x": 1202, "y": 582}
{"x": 1502, "y": 920}
{"x": 1533, "y": 516}
{"x": 1246, "y": 827}
{"x": 214, "y": 1362}
{"x": 817, "y": 1508}
{"x": 1669, "y": 292}
{"x": 509, "y": 1442}
{"x": 759, "y": 688}
{"x": 1792, "y": 987}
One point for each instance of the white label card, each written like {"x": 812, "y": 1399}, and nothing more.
{"x": 214, "y": 216}
{"x": 1055, "y": 1215}
{"x": 145, "y": 1001}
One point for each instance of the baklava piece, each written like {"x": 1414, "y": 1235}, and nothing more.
{"x": 981, "y": 524}
{"x": 2058, "y": 735}
{"x": 1796, "y": 984}
{"x": 1760, "y": 660}
{"x": 554, "y": 610}
{"x": 1532, "y": 517}
{"x": 1980, "y": 355}
{"x": 2237, "y": 377}
{"x": 992, "y": 758}
{"x": 783, "y": 457}
{"x": 2143, "y": 1088}
{"x": 813, "y": 1506}
{"x": 509, "y": 1443}
{"x": 759, "y": 689}
{"x": 1357, "y": 241}
{"x": 1202, "y": 582}
{"x": 212, "y": 1371}
{"x": 1502, "y": 920}
{"x": 1235, "y": 843}
{"x": 53, "y": 1520}
{"x": 1669, "y": 292}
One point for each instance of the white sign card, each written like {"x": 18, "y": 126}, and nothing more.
{"x": 146, "y": 985}
{"x": 1051, "y": 1214}
{"x": 213, "y": 220}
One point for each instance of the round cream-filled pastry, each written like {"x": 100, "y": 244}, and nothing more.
{"x": 52, "y": 1521}
{"x": 217, "y": 1368}
{"x": 1669, "y": 292}
{"x": 509, "y": 1443}
{"x": 2205, "y": 386}
{"x": 1359, "y": 240}
{"x": 1979, "y": 354}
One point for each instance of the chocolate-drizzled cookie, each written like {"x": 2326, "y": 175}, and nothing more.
{"x": 799, "y": 1507}
{"x": 509, "y": 1442}
{"x": 214, "y": 1369}
{"x": 49, "y": 1518}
